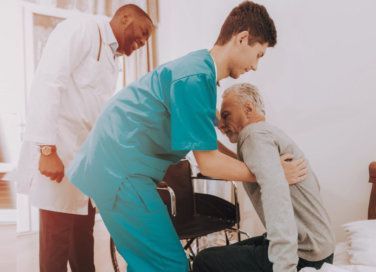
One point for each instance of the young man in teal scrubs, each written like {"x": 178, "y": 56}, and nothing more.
{"x": 155, "y": 122}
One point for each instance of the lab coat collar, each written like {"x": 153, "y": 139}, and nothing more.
{"x": 108, "y": 35}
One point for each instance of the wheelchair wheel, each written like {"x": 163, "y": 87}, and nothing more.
{"x": 113, "y": 256}
{"x": 118, "y": 262}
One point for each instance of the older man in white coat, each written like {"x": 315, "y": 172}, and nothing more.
{"x": 75, "y": 77}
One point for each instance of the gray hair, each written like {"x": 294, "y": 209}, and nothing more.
{"x": 246, "y": 92}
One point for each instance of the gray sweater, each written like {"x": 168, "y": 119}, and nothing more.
{"x": 296, "y": 221}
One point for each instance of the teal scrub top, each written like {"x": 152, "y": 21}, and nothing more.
{"x": 148, "y": 125}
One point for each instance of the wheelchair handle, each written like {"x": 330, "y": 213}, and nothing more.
{"x": 171, "y": 192}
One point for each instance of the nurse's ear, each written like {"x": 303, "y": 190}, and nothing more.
{"x": 242, "y": 38}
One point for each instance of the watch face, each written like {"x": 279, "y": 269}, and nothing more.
{"x": 46, "y": 150}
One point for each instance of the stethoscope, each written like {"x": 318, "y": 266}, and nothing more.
{"x": 100, "y": 45}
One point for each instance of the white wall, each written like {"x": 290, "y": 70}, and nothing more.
{"x": 319, "y": 84}
{"x": 12, "y": 95}
{"x": 11, "y": 79}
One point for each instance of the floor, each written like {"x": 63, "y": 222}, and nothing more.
{"x": 8, "y": 247}
{"x": 26, "y": 245}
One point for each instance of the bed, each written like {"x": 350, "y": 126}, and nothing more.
{"x": 358, "y": 253}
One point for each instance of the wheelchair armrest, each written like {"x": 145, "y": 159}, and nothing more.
{"x": 234, "y": 191}
{"x": 163, "y": 187}
{"x": 202, "y": 177}
{"x": 233, "y": 185}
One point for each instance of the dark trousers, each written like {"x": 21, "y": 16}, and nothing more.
{"x": 66, "y": 237}
{"x": 247, "y": 255}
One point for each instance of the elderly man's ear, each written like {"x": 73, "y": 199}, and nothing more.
{"x": 248, "y": 109}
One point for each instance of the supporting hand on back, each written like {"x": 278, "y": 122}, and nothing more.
{"x": 295, "y": 170}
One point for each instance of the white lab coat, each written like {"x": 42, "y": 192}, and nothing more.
{"x": 68, "y": 92}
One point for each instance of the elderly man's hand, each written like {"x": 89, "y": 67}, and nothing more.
{"x": 295, "y": 170}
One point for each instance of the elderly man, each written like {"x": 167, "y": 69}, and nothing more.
{"x": 76, "y": 76}
{"x": 298, "y": 232}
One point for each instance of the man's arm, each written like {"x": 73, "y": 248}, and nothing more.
{"x": 218, "y": 165}
{"x": 215, "y": 164}
{"x": 262, "y": 157}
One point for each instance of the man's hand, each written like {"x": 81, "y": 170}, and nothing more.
{"x": 295, "y": 170}
{"x": 51, "y": 166}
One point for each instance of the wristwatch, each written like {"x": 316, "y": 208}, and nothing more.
{"x": 47, "y": 150}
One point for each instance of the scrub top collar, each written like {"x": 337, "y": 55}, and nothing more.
{"x": 215, "y": 68}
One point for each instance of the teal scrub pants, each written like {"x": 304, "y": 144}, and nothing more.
{"x": 141, "y": 228}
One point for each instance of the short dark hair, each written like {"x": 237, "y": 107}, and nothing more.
{"x": 132, "y": 8}
{"x": 251, "y": 17}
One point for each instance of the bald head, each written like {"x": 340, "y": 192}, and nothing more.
{"x": 132, "y": 10}
{"x": 132, "y": 28}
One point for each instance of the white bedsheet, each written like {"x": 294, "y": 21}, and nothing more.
{"x": 341, "y": 268}
{"x": 341, "y": 263}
